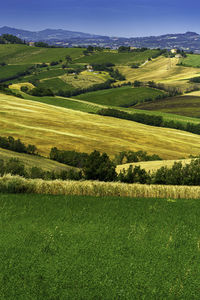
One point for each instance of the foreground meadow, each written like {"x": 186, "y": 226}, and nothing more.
{"x": 72, "y": 247}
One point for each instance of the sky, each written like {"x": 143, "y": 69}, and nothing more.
{"x": 128, "y": 18}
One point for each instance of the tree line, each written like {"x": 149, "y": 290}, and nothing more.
{"x": 150, "y": 120}
{"x": 100, "y": 167}
{"x": 16, "y": 145}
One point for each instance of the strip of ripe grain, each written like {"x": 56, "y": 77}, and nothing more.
{"x": 17, "y": 184}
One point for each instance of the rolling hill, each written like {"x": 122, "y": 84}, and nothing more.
{"x": 48, "y": 126}
{"x": 34, "y": 161}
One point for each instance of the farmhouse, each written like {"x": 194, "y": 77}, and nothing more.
{"x": 178, "y": 56}
{"x": 32, "y": 44}
{"x": 173, "y": 51}
{"x": 90, "y": 68}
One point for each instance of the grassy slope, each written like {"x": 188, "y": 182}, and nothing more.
{"x": 55, "y": 84}
{"x": 22, "y": 54}
{"x": 58, "y": 247}
{"x": 152, "y": 165}
{"x": 125, "y": 95}
{"x": 47, "y": 126}
{"x": 186, "y": 105}
{"x": 192, "y": 60}
{"x": 34, "y": 161}
{"x": 117, "y": 58}
{"x": 163, "y": 70}
{"x": 12, "y": 70}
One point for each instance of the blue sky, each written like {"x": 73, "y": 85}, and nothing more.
{"x": 106, "y": 17}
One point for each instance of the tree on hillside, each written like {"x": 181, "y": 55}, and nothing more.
{"x": 99, "y": 167}
{"x": 68, "y": 59}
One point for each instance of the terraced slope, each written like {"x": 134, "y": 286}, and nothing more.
{"x": 34, "y": 161}
{"x": 48, "y": 126}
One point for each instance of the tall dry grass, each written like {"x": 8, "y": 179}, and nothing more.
{"x": 17, "y": 184}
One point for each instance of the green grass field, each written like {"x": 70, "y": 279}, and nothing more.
{"x": 12, "y": 70}
{"x": 192, "y": 60}
{"x": 45, "y": 73}
{"x": 186, "y": 105}
{"x": 55, "y": 84}
{"x": 118, "y": 58}
{"x": 58, "y": 247}
{"x": 125, "y": 95}
{"x": 34, "y": 161}
{"x": 22, "y": 54}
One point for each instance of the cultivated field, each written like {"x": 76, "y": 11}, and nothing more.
{"x": 163, "y": 70}
{"x": 17, "y": 184}
{"x": 85, "y": 79}
{"x": 48, "y": 126}
{"x": 33, "y": 161}
{"x": 152, "y": 165}
{"x": 121, "y": 96}
{"x": 186, "y": 105}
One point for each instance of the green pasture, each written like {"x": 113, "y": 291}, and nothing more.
{"x": 55, "y": 84}
{"x": 72, "y": 247}
{"x": 114, "y": 57}
{"x": 12, "y": 70}
{"x": 22, "y": 54}
{"x": 122, "y": 96}
{"x": 192, "y": 60}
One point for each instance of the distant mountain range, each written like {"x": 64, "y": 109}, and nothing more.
{"x": 189, "y": 41}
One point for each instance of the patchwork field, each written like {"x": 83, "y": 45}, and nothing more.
{"x": 90, "y": 247}
{"x": 186, "y": 105}
{"x": 123, "y": 96}
{"x": 48, "y": 126}
{"x": 118, "y": 58}
{"x": 34, "y": 161}
{"x": 163, "y": 70}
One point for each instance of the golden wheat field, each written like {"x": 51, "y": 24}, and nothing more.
{"x": 96, "y": 188}
{"x": 48, "y": 126}
{"x": 152, "y": 165}
{"x": 162, "y": 70}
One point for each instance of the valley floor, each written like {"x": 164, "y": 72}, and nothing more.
{"x": 71, "y": 247}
